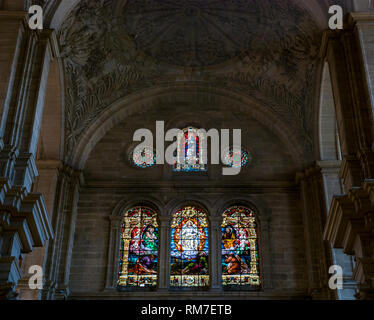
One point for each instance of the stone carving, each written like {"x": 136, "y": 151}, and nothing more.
{"x": 262, "y": 48}
{"x": 29, "y": 3}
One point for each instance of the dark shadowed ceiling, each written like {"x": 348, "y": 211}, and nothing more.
{"x": 264, "y": 49}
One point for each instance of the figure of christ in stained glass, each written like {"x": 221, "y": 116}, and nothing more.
{"x": 189, "y": 248}
{"x": 189, "y": 153}
{"x": 139, "y": 248}
{"x": 240, "y": 263}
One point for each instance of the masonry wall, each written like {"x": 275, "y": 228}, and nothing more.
{"x": 287, "y": 257}
{"x": 267, "y": 183}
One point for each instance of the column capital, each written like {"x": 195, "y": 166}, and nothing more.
{"x": 329, "y": 165}
{"x": 164, "y": 220}
{"x": 309, "y": 172}
{"x": 215, "y": 221}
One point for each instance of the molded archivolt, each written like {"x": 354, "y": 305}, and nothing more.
{"x": 155, "y": 98}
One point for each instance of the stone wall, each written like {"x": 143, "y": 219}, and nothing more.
{"x": 267, "y": 183}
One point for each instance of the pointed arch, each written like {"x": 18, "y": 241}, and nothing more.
{"x": 329, "y": 142}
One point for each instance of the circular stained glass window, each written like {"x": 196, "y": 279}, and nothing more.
{"x": 144, "y": 158}
{"x": 232, "y": 157}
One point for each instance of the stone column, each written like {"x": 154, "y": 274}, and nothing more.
{"x": 215, "y": 251}
{"x": 164, "y": 252}
{"x": 11, "y": 34}
{"x": 25, "y": 57}
{"x": 57, "y": 265}
{"x": 10, "y": 256}
{"x": 46, "y": 184}
{"x": 70, "y": 215}
{"x": 349, "y": 224}
{"x": 333, "y": 186}
{"x": 363, "y": 25}
{"x": 317, "y": 251}
{"x": 113, "y": 252}
{"x": 335, "y": 51}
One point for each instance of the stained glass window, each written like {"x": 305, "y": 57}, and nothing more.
{"x": 189, "y": 248}
{"x": 189, "y": 144}
{"x": 240, "y": 261}
{"x": 144, "y": 158}
{"x": 139, "y": 248}
{"x": 243, "y": 157}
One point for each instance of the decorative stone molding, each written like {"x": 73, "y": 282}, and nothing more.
{"x": 350, "y": 226}
{"x": 314, "y": 216}
{"x": 58, "y": 260}
{"x": 94, "y": 83}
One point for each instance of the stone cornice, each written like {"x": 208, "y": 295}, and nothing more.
{"x": 49, "y": 164}
{"x": 350, "y": 226}
{"x": 158, "y": 186}
{"x": 33, "y": 207}
{"x": 329, "y": 164}
{"x": 355, "y": 18}
{"x": 13, "y": 15}
{"x": 341, "y": 210}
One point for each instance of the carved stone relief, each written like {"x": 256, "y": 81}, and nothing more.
{"x": 262, "y": 48}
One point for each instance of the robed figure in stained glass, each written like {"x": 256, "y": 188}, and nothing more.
{"x": 190, "y": 153}
{"x": 139, "y": 248}
{"x": 189, "y": 248}
{"x": 240, "y": 263}
{"x": 229, "y": 238}
{"x": 150, "y": 239}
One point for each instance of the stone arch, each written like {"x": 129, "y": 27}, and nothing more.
{"x": 127, "y": 204}
{"x": 174, "y": 206}
{"x": 241, "y": 200}
{"x": 141, "y": 102}
{"x": 65, "y": 7}
{"x": 329, "y": 143}
{"x": 316, "y": 8}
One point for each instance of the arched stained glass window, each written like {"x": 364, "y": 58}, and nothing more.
{"x": 139, "y": 248}
{"x": 240, "y": 261}
{"x": 243, "y": 157}
{"x": 189, "y": 248}
{"x": 189, "y": 144}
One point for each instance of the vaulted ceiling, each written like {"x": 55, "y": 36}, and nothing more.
{"x": 264, "y": 49}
